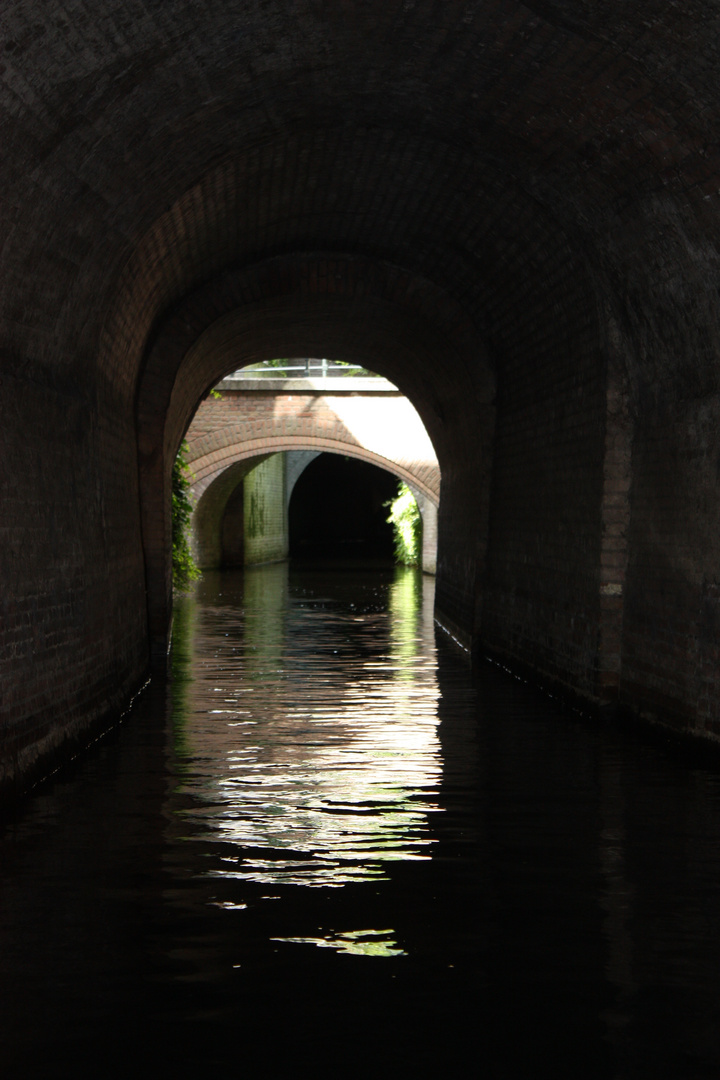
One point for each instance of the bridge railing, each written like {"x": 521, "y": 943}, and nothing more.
{"x": 302, "y": 368}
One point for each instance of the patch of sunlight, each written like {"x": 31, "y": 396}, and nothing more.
{"x": 353, "y": 943}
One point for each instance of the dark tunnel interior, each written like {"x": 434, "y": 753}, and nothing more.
{"x": 338, "y": 511}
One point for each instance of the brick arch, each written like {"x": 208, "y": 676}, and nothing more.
{"x": 351, "y": 308}
{"x": 210, "y": 455}
{"x": 535, "y": 595}
{"x": 219, "y": 472}
{"x": 346, "y": 306}
{"x": 487, "y": 219}
{"x": 209, "y": 467}
{"x": 436, "y": 315}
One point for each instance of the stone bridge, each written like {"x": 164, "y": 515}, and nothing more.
{"x": 366, "y": 418}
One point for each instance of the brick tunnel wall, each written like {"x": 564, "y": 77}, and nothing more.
{"x": 541, "y": 597}
{"x": 671, "y": 626}
{"x": 73, "y": 616}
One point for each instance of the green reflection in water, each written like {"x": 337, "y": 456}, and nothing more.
{"x": 405, "y": 603}
{"x": 265, "y": 603}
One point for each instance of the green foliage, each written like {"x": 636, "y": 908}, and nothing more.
{"x": 354, "y": 371}
{"x": 407, "y": 526}
{"x": 183, "y": 565}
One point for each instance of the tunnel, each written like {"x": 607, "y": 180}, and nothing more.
{"x": 509, "y": 210}
{"x": 339, "y": 510}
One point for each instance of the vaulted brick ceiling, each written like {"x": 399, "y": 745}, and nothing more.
{"x": 505, "y": 152}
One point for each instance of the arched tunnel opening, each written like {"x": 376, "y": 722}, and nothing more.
{"x": 339, "y": 511}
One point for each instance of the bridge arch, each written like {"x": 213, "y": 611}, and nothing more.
{"x": 218, "y": 473}
{"x": 368, "y": 418}
{"x": 208, "y": 467}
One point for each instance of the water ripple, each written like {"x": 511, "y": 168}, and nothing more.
{"x": 302, "y": 755}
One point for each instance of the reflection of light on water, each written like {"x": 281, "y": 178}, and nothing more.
{"x": 319, "y": 770}
{"x": 354, "y": 942}
{"x": 346, "y": 787}
{"x": 330, "y": 874}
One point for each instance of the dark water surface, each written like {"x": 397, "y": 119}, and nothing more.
{"x": 328, "y": 851}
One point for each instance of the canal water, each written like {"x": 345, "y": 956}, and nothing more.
{"x": 328, "y": 850}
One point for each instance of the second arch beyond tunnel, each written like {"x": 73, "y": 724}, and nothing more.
{"x": 262, "y": 433}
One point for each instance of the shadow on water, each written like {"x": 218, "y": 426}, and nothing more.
{"x": 328, "y": 849}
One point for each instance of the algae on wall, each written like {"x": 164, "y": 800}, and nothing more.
{"x": 265, "y": 512}
{"x": 184, "y": 567}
